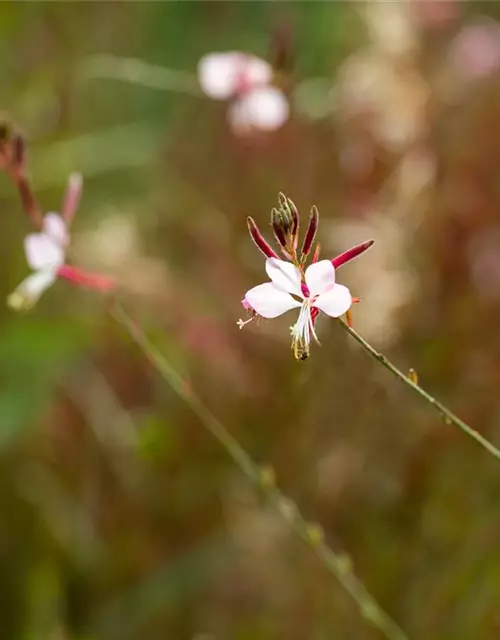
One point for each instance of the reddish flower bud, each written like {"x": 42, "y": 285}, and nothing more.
{"x": 312, "y": 228}
{"x": 18, "y": 154}
{"x": 29, "y": 201}
{"x": 72, "y": 197}
{"x": 258, "y": 239}
{"x": 282, "y": 49}
{"x": 82, "y": 278}
{"x": 350, "y": 254}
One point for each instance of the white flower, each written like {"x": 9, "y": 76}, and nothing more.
{"x": 288, "y": 291}
{"x": 45, "y": 254}
{"x": 246, "y": 79}
{"x": 223, "y": 75}
{"x": 264, "y": 108}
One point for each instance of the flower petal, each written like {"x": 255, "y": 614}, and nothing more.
{"x": 320, "y": 277}
{"x": 269, "y": 301}
{"x": 336, "y": 302}
{"x": 29, "y": 291}
{"x": 42, "y": 252}
{"x": 256, "y": 71}
{"x": 285, "y": 276}
{"x": 265, "y": 108}
{"x": 218, "y": 74}
{"x": 55, "y": 227}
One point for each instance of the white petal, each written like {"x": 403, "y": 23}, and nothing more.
{"x": 320, "y": 277}
{"x": 256, "y": 71}
{"x": 285, "y": 276}
{"x": 218, "y": 74}
{"x": 336, "y": 302}
{"x": 55, "y": 227}
{"x": 269, "y": 301}
{"x": 42, "y": 252}
{"x": 29, "y": 291}
{"x": 264, "y": 108}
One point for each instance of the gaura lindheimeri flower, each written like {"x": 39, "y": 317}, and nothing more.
{"x": 246, "y": 80}
{"x": 46, "y": 255}
{"x": 293, "y": 286}
{"x": 312, "y": 292}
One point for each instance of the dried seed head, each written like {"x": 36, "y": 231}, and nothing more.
{"x": 259, "y": 240}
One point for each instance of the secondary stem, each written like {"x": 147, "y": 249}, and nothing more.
{"x": 337, "y": 564}
{"x": 448, "y": 415}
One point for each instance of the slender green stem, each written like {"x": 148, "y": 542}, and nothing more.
{"x": 448, "y": 415}
{"x": 136, "y": 71}
{"x": 336, "y": 563}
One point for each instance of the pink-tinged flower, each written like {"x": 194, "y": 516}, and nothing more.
{"x": 475, "y": 52}
{"x": 45, "y": 254}
{"x": 314, "y": 292}
{"x": 245, "y": 79}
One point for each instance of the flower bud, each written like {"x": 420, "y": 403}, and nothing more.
{"x": 312, "y": 228}
{"x": 350, "y": 254}
{"x": 285, "y": 222}
{"x": 18, "y": 154}
{"x": 282, "y": 48}
{"x": 259, "y": 240}
{"x": 5, "y": 144}
{"x": 282, "y": 224}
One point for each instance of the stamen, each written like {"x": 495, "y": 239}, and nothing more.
{"x": 241, "y": 323}
{"x": 301, "y": 332}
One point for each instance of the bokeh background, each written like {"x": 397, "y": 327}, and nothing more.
{"x": 121, "y": 517}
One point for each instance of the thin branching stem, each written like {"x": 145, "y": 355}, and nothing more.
{"x": 337, "y": 563}
{"x": 134, "y": 70}
{"x": 448, "y": 416}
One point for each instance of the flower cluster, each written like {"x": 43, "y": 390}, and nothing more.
{"x": 246, "y": 80}
{"x": 46, "y": 249}
{"x": 312, "y": 289}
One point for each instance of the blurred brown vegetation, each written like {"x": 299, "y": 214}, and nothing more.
{"x": 121, "y": 517}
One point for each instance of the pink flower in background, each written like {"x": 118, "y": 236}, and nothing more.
{"x": 46, "y": 255}
{"x": 475, "y": 52}
{"x": 246, "y": 81}
{"x": 287, "y": 291}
